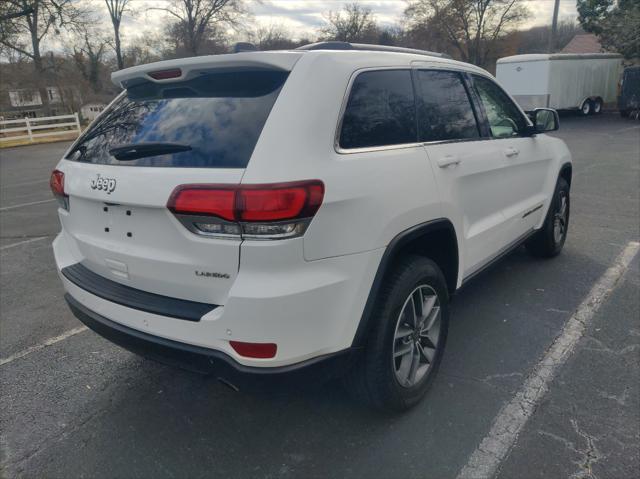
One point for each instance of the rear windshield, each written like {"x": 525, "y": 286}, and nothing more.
{"x": 213, "y": 120}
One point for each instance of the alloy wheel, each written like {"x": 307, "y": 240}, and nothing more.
{"x": 560, "y": 218}
{"x": 417, "y": 335}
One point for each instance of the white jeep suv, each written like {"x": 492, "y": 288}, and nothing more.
{"x": 310, "y": 212}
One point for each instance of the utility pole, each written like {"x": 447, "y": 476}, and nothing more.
{"x": 554, "y": 27}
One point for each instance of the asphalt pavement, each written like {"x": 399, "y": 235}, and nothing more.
{"x": 74, "y": 405}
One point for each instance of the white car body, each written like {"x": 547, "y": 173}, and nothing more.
{"x": 306, "y": 294}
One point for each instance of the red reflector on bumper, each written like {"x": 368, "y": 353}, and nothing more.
{"x": 254, "y": 350}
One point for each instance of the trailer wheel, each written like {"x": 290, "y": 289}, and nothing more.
{"x": 597, "y": 106}
{"x": 586, "y": 108}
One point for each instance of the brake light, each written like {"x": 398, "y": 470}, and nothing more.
{"x": 280, "y": 203}
{"x": 166, "y": 74}
{"x": 281, "y": 210}
{"x": 203, "y": 200}
{"x": 254, "y": 350}
{"x": 57, "y": 187}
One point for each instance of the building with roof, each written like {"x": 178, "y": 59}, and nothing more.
{"x": 583, "y": 43}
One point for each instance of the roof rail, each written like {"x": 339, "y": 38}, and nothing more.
{"x": 334, "y": 45}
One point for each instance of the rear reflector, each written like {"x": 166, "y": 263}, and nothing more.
{"x": 57, "y": 187}
{"x": 166, "y": 74}
{"x": 254, "y": 350}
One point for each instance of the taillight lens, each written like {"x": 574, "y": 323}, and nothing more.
{"x": 280, "y": 203}
{"x": 281, "y": 210}
{"x": 57, "y": 187}
{"x": 203, "y": 200}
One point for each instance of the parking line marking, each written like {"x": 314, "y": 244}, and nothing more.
{"x": 495, "y": 447}
{"x": 32, "y": 240}
{"x": 635, "y": 127}
{"x": 26, "y": 204}
{"x": 38, "y": 347}
{"x": 25, "y": 183}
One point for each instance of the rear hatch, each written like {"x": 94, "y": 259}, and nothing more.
{"x": 162, "y": 132}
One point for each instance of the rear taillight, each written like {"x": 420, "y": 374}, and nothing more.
{"x": 57, "y": 187}
{"x": 282, "y": 210}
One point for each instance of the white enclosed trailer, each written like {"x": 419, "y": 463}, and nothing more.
{"x": 563, "y": 81}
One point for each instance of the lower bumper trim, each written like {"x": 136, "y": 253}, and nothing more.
{"x": 210, "y": 361}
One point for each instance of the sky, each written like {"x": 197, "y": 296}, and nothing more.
{"x": 302, "y": 18}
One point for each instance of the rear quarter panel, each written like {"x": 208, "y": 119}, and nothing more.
{"x": 369, "y": 197}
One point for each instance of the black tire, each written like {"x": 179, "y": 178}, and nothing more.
{"x": 373, "y": 378}
{"x": 586, "y": 108}
{"x": 546, "y": 243}
{"x": 596, "y": 106}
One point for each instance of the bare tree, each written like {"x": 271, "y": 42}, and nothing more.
{"x": 24, "y": 33}
{"x": 116, "y": 10}
{"x": 198, "y": 18}
{"x": 149, "y": 46}
{"x": 536, "y": 39}
{"x": 273, "y": 37}
{"x": 354, "y": 23}
{"x": 472, "y": 27}
{"x": 89, "y": 48}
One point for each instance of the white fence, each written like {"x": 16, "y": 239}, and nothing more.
{"x": 56, "y": 125}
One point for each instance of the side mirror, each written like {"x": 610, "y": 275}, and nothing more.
{"x": 545, "y": 119}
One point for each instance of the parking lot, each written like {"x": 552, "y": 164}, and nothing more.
{"x": 74, "y": 405}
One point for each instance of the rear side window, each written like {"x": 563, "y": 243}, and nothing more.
{"x": 444, "y": 108}
{"x": 213, "y": 120}
{"x": 380, "y": 110}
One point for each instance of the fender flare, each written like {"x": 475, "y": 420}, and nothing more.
{"x": 566, "y": 171}
{"x": 392, "y": 251}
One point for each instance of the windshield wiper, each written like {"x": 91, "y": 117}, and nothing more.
{"x": 134, "y": 151}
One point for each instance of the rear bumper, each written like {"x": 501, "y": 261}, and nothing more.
{"x": 309, "y": 309}
{"x": 209, "y": 361}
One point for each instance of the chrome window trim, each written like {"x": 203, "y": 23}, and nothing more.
{"x": 370, "y": 149}
{"x": 345, "y": 99}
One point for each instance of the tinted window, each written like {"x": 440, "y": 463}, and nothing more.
{"x": 444, "y": 109}
{"x": 219, "y": 116}
{"x": 504, "y": 116}
{"x": 380, "y": 110}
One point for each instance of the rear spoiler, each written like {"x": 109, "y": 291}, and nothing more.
{"x": 187, "y": 68}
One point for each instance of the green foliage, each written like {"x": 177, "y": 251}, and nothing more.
{"x": 617, "y": 24}
{"x": 592, "y": 13}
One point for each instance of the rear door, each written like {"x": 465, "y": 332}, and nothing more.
{"x": 154, "y": 137}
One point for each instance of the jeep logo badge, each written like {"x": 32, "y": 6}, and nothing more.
{"x": 104, "y": 184}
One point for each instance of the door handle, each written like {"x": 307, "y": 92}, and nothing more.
{"x": 448, "y": 160}
{"x": 511, "y": 152}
